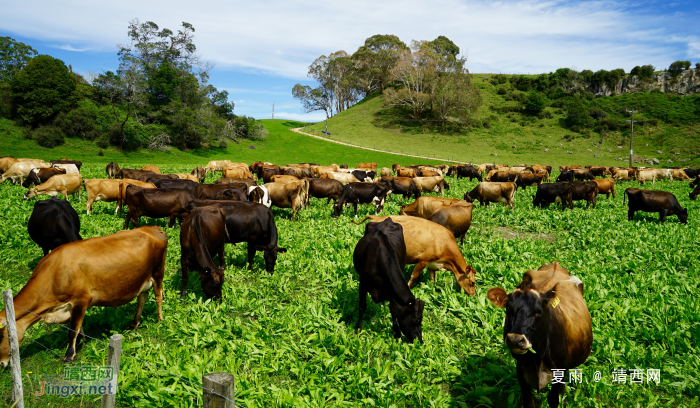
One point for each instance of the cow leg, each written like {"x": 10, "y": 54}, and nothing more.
{"x": 363, "y": 307}
{"x": 630, "y": 214}
{"x": 76, "y": 323}
{"x": 662, "y": 215}
{"x": 126, "y": 220}
{"x": 88, "y": 205}
{"x": 251, "y": 255}
{"x": 354, "y": 205}
{"x": 222, "y": 257}
{"x": 171, "y": 222}
{"x": 525, "y": 391}
{"x": 554, "y": 393}
{"x": 140, "y": 303}
{"x": 416, "y": 272}
{"x": 185, "y": 276}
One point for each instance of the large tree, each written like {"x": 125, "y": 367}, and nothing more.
{"x": 14, "y": 55}
{"x": 42, "y": 89}
{"x": 375, "y": 60}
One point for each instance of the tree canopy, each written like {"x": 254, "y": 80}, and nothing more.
{"x": 14, "y": 55}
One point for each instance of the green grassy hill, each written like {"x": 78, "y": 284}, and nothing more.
{"x": 514, "y": 137}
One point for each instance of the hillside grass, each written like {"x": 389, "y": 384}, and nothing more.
{"x": 371, "y": 123}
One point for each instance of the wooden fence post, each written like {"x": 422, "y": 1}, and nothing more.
{"x": 217, "y": 385}
{"x": 17, "y": 392}
{"x": 114, "y": 357}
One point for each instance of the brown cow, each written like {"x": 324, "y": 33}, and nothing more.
{"x": 646, "y": 175}
{"x": 237, "y": 172}
{"x": 547, "y": 315}
{"x": 344, "y": 178}
{"x": 318, "y": 171}
{"x": 7, "y": 162}
{"x": 433, "y": 246}
{"x": 215, "y": 165}
{"x": 20, "y": 170}
{"x": 425, "y": 206}
{"x": 132, "y": 174}
{"x": 324, "y": 188}
{"x": 187, "y": 176}
{"x": 620, "y": 175}
{"x": 60, "y": 184}
{"x": 38, "y": 176}
{"x": 155, "y": 203}
{"x": 289, "y": 195}
{"x": 406, "y": 172}
{"x": 430, "y": 173}
{"x": 386, "y": 172}
{"x": 679, "y": 174}
{"x": 434, "y": 184}
{"x": 107, "y": 190}
{"x": 122, "y": 191}
{"x": 103, "y": 271}
{"x": 367, "y": 166}
{"x": 489, "y": 192}
{"x": 525, "y": 180}
{"x": 151, "y": 167}
{"x": 284, "y": 179}
{"x": 112, "y": 170}
{"x": 224, "y": 180}
{"x": 457, "y": 218}
{"x": 200, "y": 173}
{"x": 605, "y": 186}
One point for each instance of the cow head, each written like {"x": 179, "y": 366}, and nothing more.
{"x": 468, "y": 198}
{"x": 212, "y": 282}
{"x": 527, "y": 310}
{"x": 270, "y": 255}
{"x": 566, "y": 175}
{"x": 337, "y": 210}
{"x": 378, "y": 202}
{"x": 31, "y": 193}
{"x": 446, "y": 186}
{"x": 683, "y": 214}
{"x": 409, "y": 318}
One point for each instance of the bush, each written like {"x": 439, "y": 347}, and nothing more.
{"x": 697, "y": 65}
{"x": 535, "y": 103}
{"x": 223, "y": 144}
{"x": 27, "y": 133}
{"x": 79, "y": 122}
{"x": 678, "y": 66}
{"x": 502, "y": 91}
{"x": 100, "y": 152}
{"x": 5, "y": 100}
{"x": 102, "y": 141}
{"x": 486, "y": 124}
{"x": 49, "y": 136}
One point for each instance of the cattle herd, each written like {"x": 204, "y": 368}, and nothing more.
{"x": 546, "y": 314}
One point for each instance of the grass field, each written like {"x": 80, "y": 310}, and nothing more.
{"x": 370, "y": 123}
{"x": 289, "y": 340}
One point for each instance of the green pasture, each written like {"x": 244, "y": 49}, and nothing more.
{"x": 289, "y": 338}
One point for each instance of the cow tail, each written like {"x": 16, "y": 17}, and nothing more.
{"x": 361, "y": 221}
{"x": 624, "y": 198}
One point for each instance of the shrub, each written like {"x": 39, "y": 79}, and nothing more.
{"x": 102, "y": 141}
{"x": 79, "y": 122}
{"x": 223, "y": 144}
{"x": 697, "y": 65}
{"x": 49, "y": 136}
{"x": 5, "y": 100}
{"x": 502, "y": 91}
{"x": 100, "y": 152}
{"x": 678, "y": 66}
{"x": 535, "y": 103}
{"x": 486, "y": 124}
{"x": 27, "y": 133}
{"x": 597, "y": 114}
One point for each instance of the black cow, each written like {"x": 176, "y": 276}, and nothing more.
{"x": 232, "y": 193}
{"x": 467, "y": 171}
{"x": 654, "y": 201}
{"x": 252, "y": 223}
{"x": 585, "y": 191}
{"x": 226, "y": 180}
{"x": 695, "y": 192}
{"x": 132, "y": 174}
{"x": 210, "y": 191}
{"x": 324, "y": 188}
{"x": 156, "y": 203}
{"x": 362, "y": 193}
{"x": 692, "y": 172}
{"x": 268, "y": 173}
{"x": 566, "y": 175}
{"x": 379, "y": 259}
{"x": 695, "y": 182}
{"x": 526, "y": 180}
{"x": 548, "y": 193}
{"x": 77, "y": 163}
{"x": 38, "y": 176}
{"x": 363, "y": 175}
{"x": 404, "y": 186}
{"x": 187, "y": 185}
{"x": 112, "y": 170}
{"x": 504, "y": 176}
{"x": 202, "y": 235}
{"x": 149, "y": 178}
{"x": 53, "y": 223}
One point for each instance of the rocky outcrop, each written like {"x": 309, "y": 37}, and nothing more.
{"x": 685, "y": 83}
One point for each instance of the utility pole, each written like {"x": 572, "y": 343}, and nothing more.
{"x": 632, "y": 133}
{"x": 273, "y": 109}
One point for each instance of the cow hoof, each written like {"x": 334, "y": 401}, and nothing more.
{"x": 67, "y": 360}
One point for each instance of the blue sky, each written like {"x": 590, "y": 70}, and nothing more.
{"x": 261, "y": 49}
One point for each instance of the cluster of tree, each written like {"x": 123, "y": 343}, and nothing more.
{"x": 159, "y": 96}
{"x": 429, "y": 79}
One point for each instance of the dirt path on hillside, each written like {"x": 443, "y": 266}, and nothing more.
{"x": 298, "y": 130}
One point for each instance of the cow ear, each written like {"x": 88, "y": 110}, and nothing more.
{"x": 497, "y": 296}
{"x": 550, "y": 297}
{"x": 281, "y": 250}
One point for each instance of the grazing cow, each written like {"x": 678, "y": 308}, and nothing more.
{"x": 199, "y": 173}
{"x": 367, "y": 167}
{"x": 267, "y": 174}
{"x": 237, "y": 172}
{"x": 234, "y": 193}
{"x": 583, "y": 174}
{"x": 430, "y": 173}
{"x": 344, "y": 178}
{"x": 155, "y": 203}
{"x": 252, "y": 223}
{"x": 565, "y": 175}
{"x": 284, "y": 178}
{"x": 606, "y": 186}
{"x": 584, "y": 191}
{"x": 664, "y": 174}
{"x": 20, "y": 170}
{"x": 187, "y": 176}
{"x": 549, "y": 193}
{"x": 300, "y": 172}
{"x": 187, "y": 185}
{"x": 543, "y": 173}
{"x": 124, "y": 183}
{"x": 112, "y": 170}
{"x": 654, "y": 201}
{"x": 547, "y": 315}
{"x": 319, "y": 171}
{"x": 38, "y": 176}
{"x": 694, "y": 194}
{"x": 362, "y": 193}
{"x": 404, "y": 186}
{"x": 53, "y": 223}
{"x": 256, "y": 167}
{"x": 215, "y": 191}
{"x": 692, "y": 172}
{"x": 433, "y": 246}
{"x": 78, "y": 164}
{"x": 363, "y": 175}
{"x": 60, "y": 184}
{"x": 571, "y": 167}
{"x": 425, "y": 206}
{"x": 379, "y": 259}
{"x": 386, "y": 172}
{"x": 502, "y": 176}
{"x": 488, "y": 192}
{"x": 518, "y": 169}
{"x": 290, "y": 195}
{"x": 525, "y": 180}
{"x": 202, "y": 235}
{"x": 132, "y": 174}
{"x": 70, "y": 168}
{"x": 435, "y": 184}
{"x": 247, "y": 182}
{"x": 216, "y": 165}
{"x": 599, "y": 171}
{"x": 679, "y": 174}
{"x": 407, "y": 172}
{"x": 7, "y": 162}
{"x": 103, "y": 271}
{"x": 260, "y": 195}
{"x": 620, "y": 175}
{"x": 467, "y": 172}
{"x": 108, "y": 190}
{"x": 646, "y": 175}
{"x": 152, "y": 177}
{"x": 324, "y": 188}
{"x": 456, "y": 217}
{"x": 151, "y": 167}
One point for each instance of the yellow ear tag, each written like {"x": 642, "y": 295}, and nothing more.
{"x": 555, "y": 302}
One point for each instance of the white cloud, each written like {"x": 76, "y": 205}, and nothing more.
{"x": 283, "y": 37}
{"x": 307, "y": 117}
{"x": 68, "y": 47}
